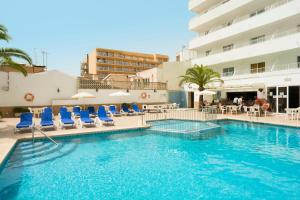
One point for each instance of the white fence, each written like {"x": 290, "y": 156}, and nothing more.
{"x": 181, "y": 114}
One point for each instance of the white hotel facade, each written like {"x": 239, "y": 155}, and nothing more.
{"x": 253, "y": 44}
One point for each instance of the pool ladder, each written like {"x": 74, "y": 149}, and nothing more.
{"x": 42, "y": 132}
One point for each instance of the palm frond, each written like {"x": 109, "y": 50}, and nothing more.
{"x": 8, "y": 62}
{"x": 3, "y": 33}
{"x": 200, "y": 75}
{"x": 13, "y": 52}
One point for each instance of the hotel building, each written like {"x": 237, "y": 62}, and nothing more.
{"x": 253, "y": 44}
{"x": 102, "y": 62}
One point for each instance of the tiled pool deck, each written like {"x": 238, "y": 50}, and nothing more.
{"x": 8, "y": 139}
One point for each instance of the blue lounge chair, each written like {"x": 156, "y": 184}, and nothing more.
{"x": 63, "y": 109}
{"x": 48, "y": 109}
{"x": 85, "y": 119}
{"x": 102, "y": 117}
{"x": 46, "y": 120}
{"x": 113, "y": 111}
{"x": 125, "y": 110}
{"x": 66, "y": 119}
{"x": 76, "y": 111}
{"x": 92, "y": 111}
{"x": 136, "y": 109}
{"x": 25, "y": 123}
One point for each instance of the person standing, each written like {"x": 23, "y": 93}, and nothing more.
{"x": 240, "y": 100}
{"x": 235, "y": 101}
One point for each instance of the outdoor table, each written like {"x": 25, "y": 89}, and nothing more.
{"x": 37, "y": 111}
{"x": 292, "y": 112}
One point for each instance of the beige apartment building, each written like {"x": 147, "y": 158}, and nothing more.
{"x": 102, "y": 62}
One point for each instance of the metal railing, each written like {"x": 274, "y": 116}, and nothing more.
{"x": 130, "y": 85}
{"x": 181, "y": 114}
{"x": 42, "y": 132}
{"x": 272, "y": 68}
{"x": 256, "y": 41}
{"x": 241, "y": 18}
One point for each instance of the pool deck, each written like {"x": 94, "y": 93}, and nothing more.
{"x": 8, "y": 139}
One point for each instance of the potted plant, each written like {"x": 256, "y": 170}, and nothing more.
{"x": 18, "y": 110}
{"x": 127, "y": 105}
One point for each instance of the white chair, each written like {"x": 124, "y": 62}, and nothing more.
{"x": 222, "y": 109}
{"x": 289, "y": 113}
{"x": 254, "y": 110}
{"x": 234, "y": 109}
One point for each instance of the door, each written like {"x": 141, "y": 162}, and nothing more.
{"x": 191, "y": 100}
{"x": 272, "y": 98}
{"x": 294, "y": 96}
{"x": 282, "y": 99}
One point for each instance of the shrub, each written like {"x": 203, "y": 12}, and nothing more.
{"x": 20, "y": 110}
{"x": 127, "y": 105}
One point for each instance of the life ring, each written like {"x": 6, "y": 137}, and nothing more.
{"x": 144, "y": 95}
{"x": 29, "y": 97}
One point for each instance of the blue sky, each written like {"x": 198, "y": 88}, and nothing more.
{"x": 69, "y": 29}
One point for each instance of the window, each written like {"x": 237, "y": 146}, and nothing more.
{"x": 228, "y": 47}
{"x": 257, "y": 12}
{"x": 298, "y": 61}
{"x": 257, "y": 68}
{"x": 229, "y": 71}
{"x": 257, "y": 39}
{"x": 229, "y": 23}
{"x": 207, "y": 52}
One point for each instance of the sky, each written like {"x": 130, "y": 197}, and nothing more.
{"x": 69, "y": 29}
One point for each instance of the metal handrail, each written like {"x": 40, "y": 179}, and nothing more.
{"x": 42, "y": 132}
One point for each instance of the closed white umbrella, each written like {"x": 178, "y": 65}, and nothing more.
{"x": 119, "y": 94}
{"x": 207, "y": 92}
{"x": 83, "y": 95}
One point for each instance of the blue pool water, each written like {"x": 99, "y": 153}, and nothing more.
{"x": 238, "y": 161}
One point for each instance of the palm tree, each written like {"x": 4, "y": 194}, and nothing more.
{"x": 201, "y": 76}
{"x": 7, "y": 54}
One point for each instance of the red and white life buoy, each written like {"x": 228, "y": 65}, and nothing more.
{"x": 144, "y": 95}
{"x": 29, "y": 97}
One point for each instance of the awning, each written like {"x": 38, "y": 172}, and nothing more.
{"x": 239, "y": 87}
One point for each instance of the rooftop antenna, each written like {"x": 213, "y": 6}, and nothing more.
{"x": 44, "y": 54}
{"x": 35, "y": 57}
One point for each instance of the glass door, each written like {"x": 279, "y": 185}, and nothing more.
{"x": 272, "y": 98}
{"x": 282, "y": 99}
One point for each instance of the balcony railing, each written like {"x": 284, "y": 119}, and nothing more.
{"x": 259, "y": 40}
{"x": 242, "y": 18}
{"x": 273, "y": 68}
{"x": 84, "y": 83}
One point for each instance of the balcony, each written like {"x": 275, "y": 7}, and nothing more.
{"x": 224, "y": 7}
{"x": 281, "y": 10}
{"x": 202, "y": 5}
{"x": 270, "y": 70}
{"x": 278, "y": 42}
{"x": 85, "y": 83}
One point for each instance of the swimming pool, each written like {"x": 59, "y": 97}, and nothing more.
{"x": 239, "y": 161}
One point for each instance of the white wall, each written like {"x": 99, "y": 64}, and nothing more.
{"x": 42, "y": 85}
{"x": 102, "y": 97}
{"x": 168, "y": 73}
